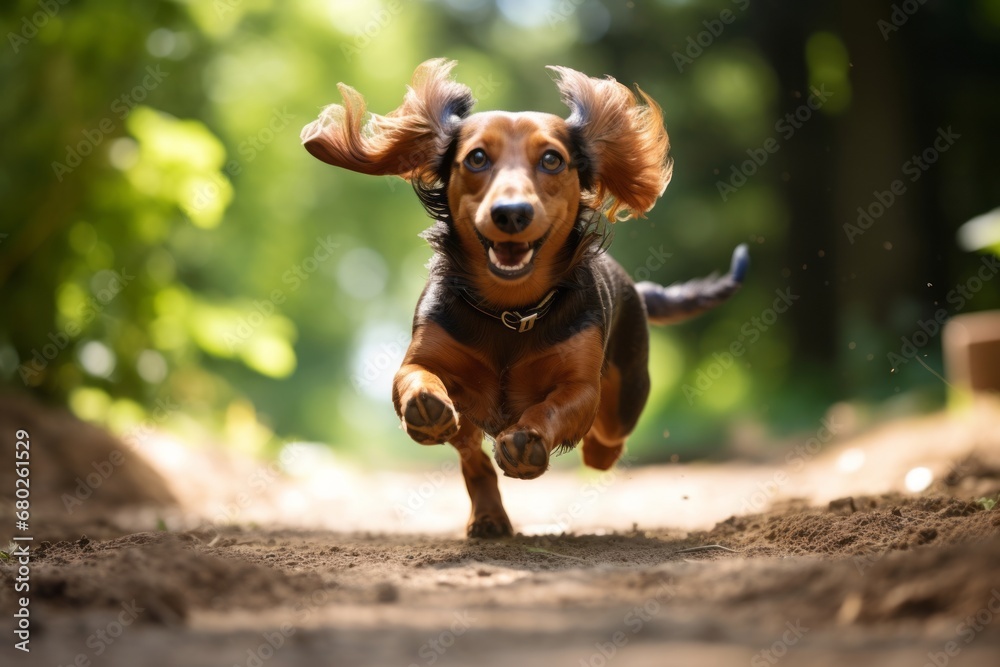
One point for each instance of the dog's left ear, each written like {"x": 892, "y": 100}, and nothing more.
{"x": 624, "y": 167}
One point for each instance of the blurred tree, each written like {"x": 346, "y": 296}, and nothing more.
{"x": 165, "y": 241}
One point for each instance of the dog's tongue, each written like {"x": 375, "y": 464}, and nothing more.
{"x": 510, "y": 254}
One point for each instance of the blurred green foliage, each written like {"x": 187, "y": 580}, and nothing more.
{"x": 166, "y": 241}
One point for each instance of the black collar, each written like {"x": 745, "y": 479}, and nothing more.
{"x": 519, "y": 321}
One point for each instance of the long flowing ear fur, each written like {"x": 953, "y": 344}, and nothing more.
{"x": 624, "y": 167}
{"x": 408, "y": 142}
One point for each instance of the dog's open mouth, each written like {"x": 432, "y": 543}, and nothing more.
{"x": 510, "y": 259}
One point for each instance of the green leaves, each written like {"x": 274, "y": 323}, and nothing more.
{"x": 180, "y": 164}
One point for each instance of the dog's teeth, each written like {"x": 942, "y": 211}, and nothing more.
{"x": 511, "y": 267}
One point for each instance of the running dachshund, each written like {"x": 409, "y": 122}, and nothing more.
{"x": 527, "y": 331}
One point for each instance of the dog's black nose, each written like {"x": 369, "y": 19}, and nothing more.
{"x": 512, "y": 217}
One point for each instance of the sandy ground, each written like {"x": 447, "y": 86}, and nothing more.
{"x": 818, "y": 557}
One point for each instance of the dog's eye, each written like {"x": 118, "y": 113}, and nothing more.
{"x": 477, "y": 160}
{"x": 552, "y": 162}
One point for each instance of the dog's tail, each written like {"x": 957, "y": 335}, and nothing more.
{"x": 682, "y": 301}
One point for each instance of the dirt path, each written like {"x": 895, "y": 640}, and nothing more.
{"x": 889, "y": 579}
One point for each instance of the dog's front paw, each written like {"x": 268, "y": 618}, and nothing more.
{"x": 429, "y": 419}
{"x": 521, "y": 453}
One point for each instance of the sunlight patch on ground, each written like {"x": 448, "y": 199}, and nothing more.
{"x": 311, "y": 486}
{"x": 919, "y": 479}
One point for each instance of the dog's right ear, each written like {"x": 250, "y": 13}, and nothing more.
{"x": 409, "y": 142}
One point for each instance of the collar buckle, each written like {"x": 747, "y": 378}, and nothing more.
{"x": 512, "y": 319}
{"x": 518, "y": 322}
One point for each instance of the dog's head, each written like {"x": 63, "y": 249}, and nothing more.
{"x": 510, "y": 184}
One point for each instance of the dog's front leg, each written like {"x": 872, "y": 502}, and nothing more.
{"x": 563, "y": 418}
{"x": 437, "y": 374}
{"x": 488, "y": 518}
{"x": 569, "y": 375}
{"x": 423, "y": 404}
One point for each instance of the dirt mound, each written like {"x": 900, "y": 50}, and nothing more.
{"x": 862, "y": 527}
{"x": 168, "y": 574}
{"x": 77, "y": 469}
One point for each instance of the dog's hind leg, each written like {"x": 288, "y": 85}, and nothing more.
{"x": 624, "y": 385}
{"x": 605, "y": 442}
{"x": 616, "y": 416}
